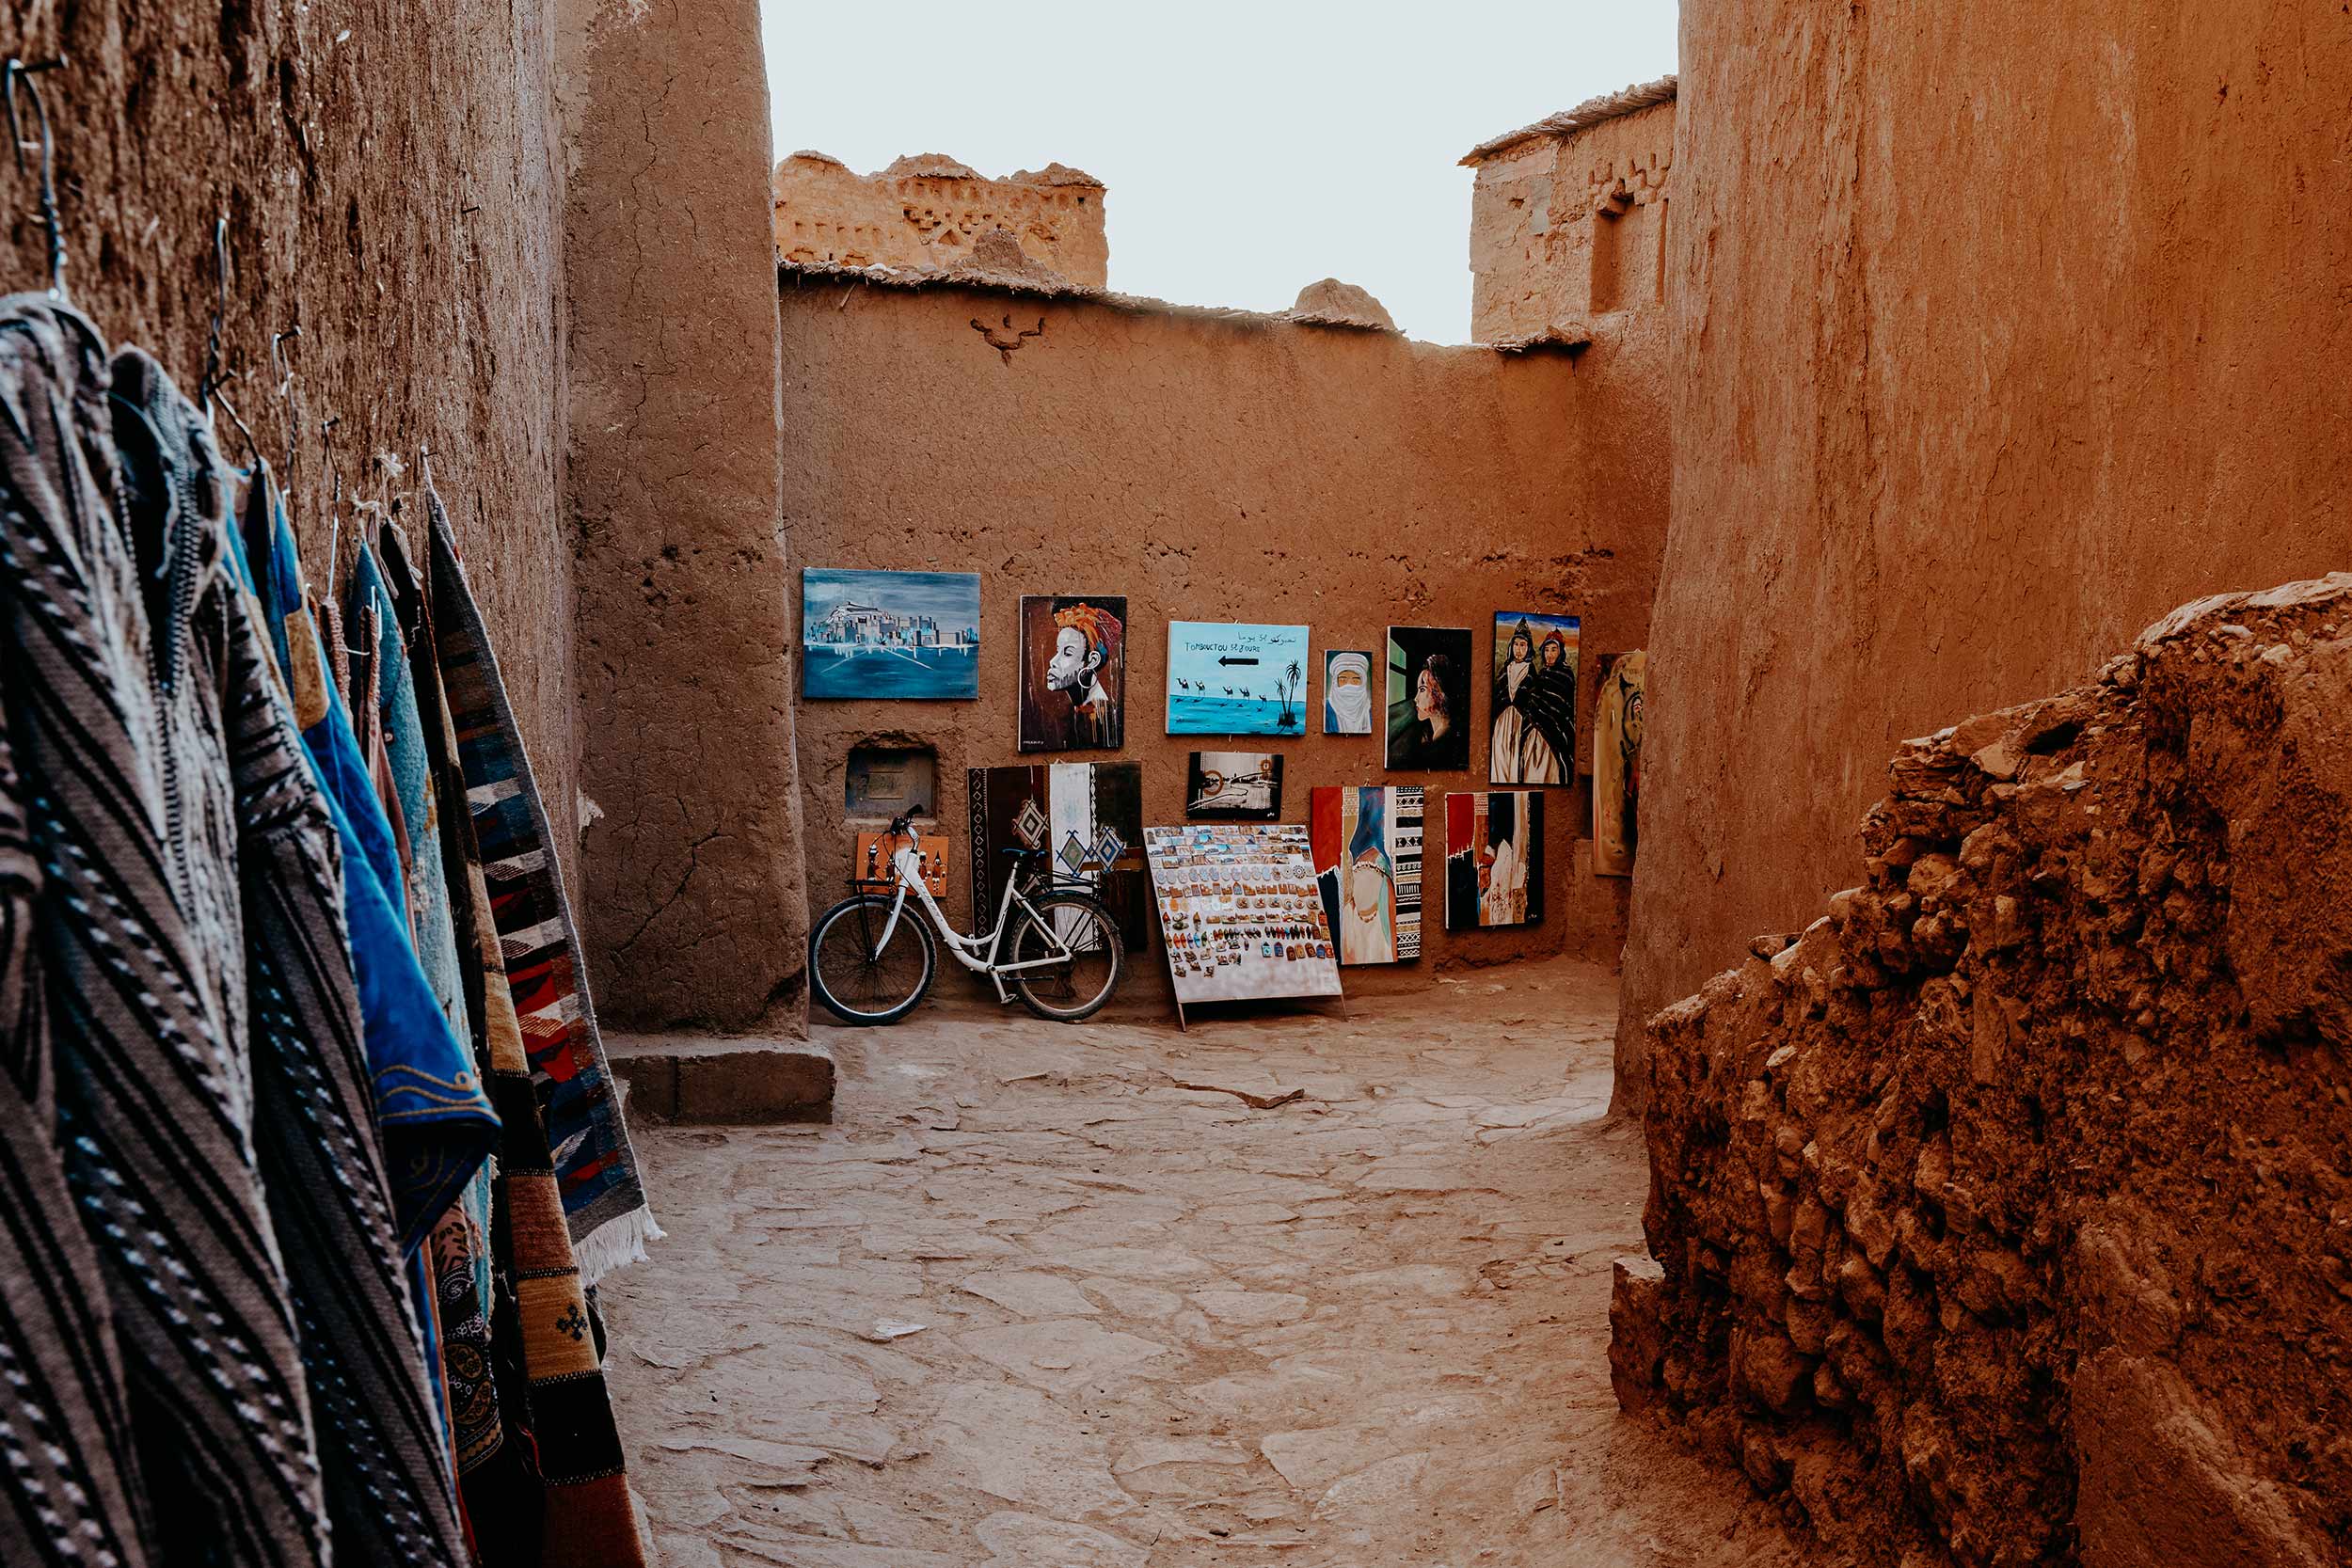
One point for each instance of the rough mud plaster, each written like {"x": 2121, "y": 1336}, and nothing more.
{"x": 1999, "y": 328}
{"x": 694, "y": 912}
{"x": 2005, "y": 1216}
{"x": 1235, "y": 468}
{"x": 388, "y": 172}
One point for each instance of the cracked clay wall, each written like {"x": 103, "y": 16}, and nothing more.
{"x": 391, "y": 179}
{"x": 2000, "y": 327}
{"x": 694, "y": 912}
{"x": 1215, "y": 465}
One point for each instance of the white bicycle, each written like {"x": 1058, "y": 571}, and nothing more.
{"x": 871, "y": 958}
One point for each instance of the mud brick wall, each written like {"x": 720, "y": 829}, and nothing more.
{"x": 1997, "y": 325}
{"x": 2005, "y": 1215}
{"x": 1216, "y": 465}
{"x": 391, "y": 177}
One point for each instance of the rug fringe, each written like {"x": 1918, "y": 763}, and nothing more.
{"x": 616, "y": 1244}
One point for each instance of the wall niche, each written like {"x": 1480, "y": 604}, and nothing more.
{"x": 887, "y": 778}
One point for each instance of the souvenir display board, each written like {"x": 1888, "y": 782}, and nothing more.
{"x": 1088, "y": 815}
{"x": 1617, "y": 724}
{"x": 1228, "y": 678}
{"x": 1240, "y": 912}
{"x": 1239, "y": 785}
{"x": 1429, "y": 699}
{"x": 890, "y": 634}
{"x": 1532, "y": 729}
{"x": 1366, "y": 841}
{"x": 871, "y": 868}
{"x": 1073, "y": 673}
{"x": 1494, "y": 858}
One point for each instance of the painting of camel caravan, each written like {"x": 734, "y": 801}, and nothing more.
{"x": 1225, "y": 678}
{"x": 890, "y": 634}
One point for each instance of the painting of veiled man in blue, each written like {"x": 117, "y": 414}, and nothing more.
{"x": 890, "y": 634}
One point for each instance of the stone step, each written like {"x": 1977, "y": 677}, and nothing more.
{"x": 715, "y": 1077}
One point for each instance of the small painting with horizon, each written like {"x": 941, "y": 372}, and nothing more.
{"x": 1532, "y": 736}
{"x": 1229, "y": 679}
{"x": 913, "y": 635}
{"x": 1235, "y": 786}
{"x": 1429, "y": 699}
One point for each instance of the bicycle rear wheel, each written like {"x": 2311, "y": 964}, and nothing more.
{"x": 859, "y": 978}
{"x": 1077, "y": 986}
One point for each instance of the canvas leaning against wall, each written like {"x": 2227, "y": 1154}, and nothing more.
{"x": 1087, "y": 816}
{"x": 1429, "y": 699}
{"x": 1240, "y": 914}
{"x": 1073, "y": 673}
{"x": 1346, "y": 692}
{"x": 1494, "y": 858}
{"x": 1240, "y": 785}
{"x": 1531, "y": 734}
{"x": 1367, "y": 852}
{"x": 1617, "y": 724}
{"x": 889, "y": 634}
{"x": 1231, "y": 679}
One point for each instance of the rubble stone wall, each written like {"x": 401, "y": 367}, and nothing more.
{"x": 2004, "y": 1216}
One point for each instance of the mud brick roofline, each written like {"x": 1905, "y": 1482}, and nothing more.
{"x": 1613, "y": 105}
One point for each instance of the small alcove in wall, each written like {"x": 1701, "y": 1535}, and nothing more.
{"x": 891, "y": 778}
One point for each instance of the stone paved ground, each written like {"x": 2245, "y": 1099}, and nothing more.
{"x": 1074, "y": 1297}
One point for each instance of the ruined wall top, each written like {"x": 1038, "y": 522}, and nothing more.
{"x": 925, "y": 211}
{"x": 1567, "y": 219}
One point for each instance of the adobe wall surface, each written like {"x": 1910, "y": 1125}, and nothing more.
{"x": 2005, "y": 1216}
{"x": 694, "y": 912}
{"x": 927, "y": 210}
{"x": 1566, "y": 229}
{"x": 1213, "y": 465}
{"x": 1999, "y": 328}
{"x": 391, "y": 179}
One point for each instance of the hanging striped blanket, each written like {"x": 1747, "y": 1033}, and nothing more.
{"x": 595, "y": 1166}
{"x": 541, "y": 1043}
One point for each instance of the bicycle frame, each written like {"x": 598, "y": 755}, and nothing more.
{"x": 978, "y": 952}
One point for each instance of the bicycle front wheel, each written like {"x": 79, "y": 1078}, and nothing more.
{"x": 1081, "y": 941}
{"x": 860, "y": 978}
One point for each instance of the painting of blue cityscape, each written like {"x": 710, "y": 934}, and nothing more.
{"x": 1229, "y": 679}
{"x": 890, "y": 634}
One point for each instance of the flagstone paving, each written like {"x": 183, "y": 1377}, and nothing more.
{"x": 1051, "y": 1296}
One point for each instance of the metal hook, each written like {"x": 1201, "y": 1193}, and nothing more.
{"x": 22, "y": 71}
{"x": 212, "y": 377}
{"x": 253, "y": 448}
{"x": 334, "y": 505}
{"x": 285, "y": 391}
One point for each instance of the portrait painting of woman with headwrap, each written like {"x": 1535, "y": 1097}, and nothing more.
{"x": 1429, "y": 699}
{"x": 1532, "y": 737}
{"x": 1073, "y": 673}
{"x": 1347, "y": 693}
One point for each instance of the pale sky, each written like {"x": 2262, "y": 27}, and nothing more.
{"x": 1250, "y": 149}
